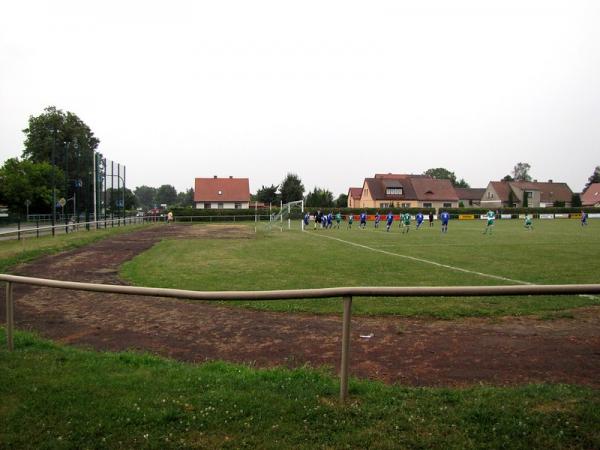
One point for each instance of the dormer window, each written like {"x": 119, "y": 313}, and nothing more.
{"x": 220, "y": 192}
{"x": 393, "y": 191}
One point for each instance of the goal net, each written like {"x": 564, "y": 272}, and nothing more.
{"x": 288, "y": 213}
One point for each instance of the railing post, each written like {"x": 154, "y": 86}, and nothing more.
{"x": 18, "y": 229}
{"x": 37, "y": 228}
{"x": 345, "y": 349}
{"x": 10, "y": 316}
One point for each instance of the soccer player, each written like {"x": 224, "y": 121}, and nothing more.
{"x": 430, "y": 218}
{"x": 584, "y": 217}
{"x": 338, "y": 219}
{"x": 377, "y": 219}
{"x": 306, "y": 219}
{"x": 389, "y": 221}
{"x": 350, "y": 220}
{"x": 419, "y": 219}
{"x": 329, "y": 220}
{"x": 445, "y": 217}
{"x": 528, "y": 222}
{"x": 406, "y": 222}
{"x": 363, "y": 220}
{"x": 491, "y": 216}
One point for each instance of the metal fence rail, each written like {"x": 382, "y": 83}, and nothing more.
{"x": 346, "y": 293}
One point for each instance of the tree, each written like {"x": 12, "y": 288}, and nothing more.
{"x": 291, "y": 188}
{"x": 319, "y": 197}
{"x": 342, "y": 201}
{"x": 166, "y": 194}
{"x": 462, "y": 184}
{"x": 115, "y": 199}
{"x": 146, "y": 196}
{"x": 508, "y": 178}
{"x": 185, "y": 199}
{"x": 521, "y": 172}
{"x": 25, "y": 180}
{"x": 595, "y": 178}
{"x": 575, "y": 200}
{"x": 267, "y": 194}
{"x": 440, "y": 173}
{"x": 64, "y": 140}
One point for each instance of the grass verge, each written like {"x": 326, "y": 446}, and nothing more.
{"x": 61, "y": 397}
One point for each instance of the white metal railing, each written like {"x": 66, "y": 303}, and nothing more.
{"x": 346, "y": 293}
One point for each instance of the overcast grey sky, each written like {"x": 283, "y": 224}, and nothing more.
{"x": 332, "y": 90}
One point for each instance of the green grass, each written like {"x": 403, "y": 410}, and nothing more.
{"x": 61, "y": 397}
{"x": 555, "y": 252}
{"x": 13, "y": 252}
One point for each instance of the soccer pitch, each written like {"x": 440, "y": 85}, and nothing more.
{"x": 555, "y": 252}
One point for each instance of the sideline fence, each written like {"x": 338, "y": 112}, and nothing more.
{"x": 346, "y": 293}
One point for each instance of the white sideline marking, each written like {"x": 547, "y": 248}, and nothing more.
{"x": 446, "y": 266}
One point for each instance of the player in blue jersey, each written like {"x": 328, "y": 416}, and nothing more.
{"x": 306, "y": 219}
{"x": 584, "y": 217}
{"x": 419, "y": 219}
{"x": 363, "y": 220}
{"x": 329, "y": 220}
{"x": 444, "y": 217}
{"x": 377, "y": 219}
{"x": 389, "y": 220}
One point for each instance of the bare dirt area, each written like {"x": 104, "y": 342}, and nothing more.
{"x": 408, "y": 351}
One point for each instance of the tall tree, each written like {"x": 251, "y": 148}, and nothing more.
{"x": 508, "y": 178}
{"x": 319, "y": 197}
{"x": 595, "y": 178}
{"x": 441, "y": 174}
{"x": 462, "y": 184}
{"x": 342, "y": 201}
{"x": 22, "y": 181}
{"x": 267, "y": 194}
{"x": 185, "y": 199}
{"x": 146, "y": 196}
{"x": 166, "y": 194}
{"x": 521, "y": 172}
{"x": 64, "y": 140}
{"x": 291, "y": 188}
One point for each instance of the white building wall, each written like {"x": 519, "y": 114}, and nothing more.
{"x": 226, "y": 205}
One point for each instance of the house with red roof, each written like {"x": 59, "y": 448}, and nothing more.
{"x": 222, "y": 193}
{"x": 591, "y": 196}
{"x": 526, "y": 193}
{"x": 354, "y": 194}
{"x": 404, "y": 191}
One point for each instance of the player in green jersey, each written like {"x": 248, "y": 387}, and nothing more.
{"x": 350, "y": 220}
{"x": 528, "y": 222}
{"x": 338, "y": 219}
{"x": 406, "y": 222}
{"x": 491, "y": 216}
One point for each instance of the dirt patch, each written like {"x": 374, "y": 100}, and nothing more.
{"x": 218, "y": 232}
{"x": 424, "y": 352}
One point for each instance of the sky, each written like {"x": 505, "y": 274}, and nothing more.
{"x": 334, "y": 91}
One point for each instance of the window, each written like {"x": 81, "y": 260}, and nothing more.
{"x": 447, "y": 205}
{"x": 426, "y": 205}
{"x": 393, "y": 191}
{"x": 238, "y": 205}
{"x": 529, "y": 194}
{"x": 207, "y": 206}
{"x": 366, "y": 192}
{"x": 385, "y": 205}
{"x": 490, "y": 195}
{"x": 406, "y": 205}
{"x": 220, "y": 205}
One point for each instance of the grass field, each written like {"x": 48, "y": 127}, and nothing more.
{"x": 556, "y": 252}
{"x": 14, "y": 252}
{"x": 60, "y": 397}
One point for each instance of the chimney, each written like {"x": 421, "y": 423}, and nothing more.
{"x": 535, "y": 181}
{"x": 230, "y": 177}
{"x": 215, "y": 177}
{"x": 550, "y": 181}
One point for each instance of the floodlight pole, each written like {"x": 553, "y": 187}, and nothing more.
{"x": 95, "y": 188}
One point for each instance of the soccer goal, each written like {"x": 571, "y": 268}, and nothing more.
{"x": 288, "y": 212}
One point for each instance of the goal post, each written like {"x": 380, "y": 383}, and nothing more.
{"x": 288, "y": 211}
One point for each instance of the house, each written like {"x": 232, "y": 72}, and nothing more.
{"x": 222, "y": 193}
{"x": 405, "y": 191}
{"x": 526, "y": 193}
{"x": 469, "y": 196}
{"x": 354, "y": 194}
{"x": 591, "y": 196}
